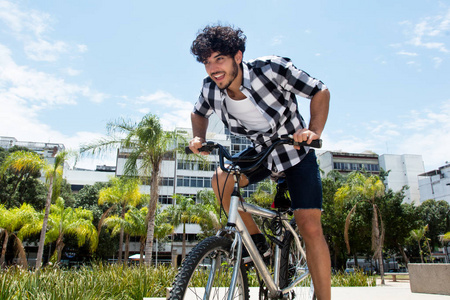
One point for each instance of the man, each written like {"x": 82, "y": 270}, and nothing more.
{"x": 256, "y": 99}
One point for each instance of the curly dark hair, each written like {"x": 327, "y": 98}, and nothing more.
{"x": 223, "y": 39}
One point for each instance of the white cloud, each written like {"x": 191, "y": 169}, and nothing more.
{"x": 82, "y": 48}
{"x": 72, "y": 72}
{"x": 23, "y": 21}
{"x": 407, "y": 53}
{"x": 42, "y": 50}
{"x": 172, "y": 111}
{"x": 163, "y": 99}
{"x": 430, "y": 33}
{"x": 437, "y": 62}
{"x": 277, "y": 40}
{"x": 30, "y": 27}
{"x": 25, "y": 93}
{"x": 39, "y": 88}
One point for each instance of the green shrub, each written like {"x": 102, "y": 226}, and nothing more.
{"x": 102, "y": 281}
{"x": 357, "y": 278}
{"x": 97, "y": 282}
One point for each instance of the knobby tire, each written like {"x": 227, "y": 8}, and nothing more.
{"x": 193, "y": 273}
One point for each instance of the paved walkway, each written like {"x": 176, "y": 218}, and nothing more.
{"x": 399, "y": 290}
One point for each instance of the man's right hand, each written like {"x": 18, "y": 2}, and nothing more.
{"x": 195, "y": 144}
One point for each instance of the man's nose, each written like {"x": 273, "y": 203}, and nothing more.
{"x": 211, "y": 68}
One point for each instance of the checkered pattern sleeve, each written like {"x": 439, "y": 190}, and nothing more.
{"x": 293, "y": 79}
{"x": 202, "y": 107}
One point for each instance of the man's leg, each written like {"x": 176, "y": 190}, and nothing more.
{"x": 222, "y": 178}
{"x": 317, "y": 253}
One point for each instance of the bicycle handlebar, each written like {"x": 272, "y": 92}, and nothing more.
{"x": 257, "y": 159}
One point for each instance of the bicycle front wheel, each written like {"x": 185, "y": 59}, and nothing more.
{"x": 293, "y": 267}
{"x": 209, "y": 265}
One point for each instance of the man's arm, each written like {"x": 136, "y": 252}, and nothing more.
{"x": 199, "y": 127}
{"x": 319, "y": 107}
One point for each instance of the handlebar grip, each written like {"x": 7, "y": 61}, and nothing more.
{"x": 314, "y": 144}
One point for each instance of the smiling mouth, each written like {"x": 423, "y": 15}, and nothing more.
{"x": 219, "y": 76}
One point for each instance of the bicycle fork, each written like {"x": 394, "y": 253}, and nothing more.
{"x": 242, "y": 235}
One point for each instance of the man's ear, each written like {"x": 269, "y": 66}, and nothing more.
{"x": 238, "y": 57}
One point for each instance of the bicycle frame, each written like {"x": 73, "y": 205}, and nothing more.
{"x": 243, "y": 236}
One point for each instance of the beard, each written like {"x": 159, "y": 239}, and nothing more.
{"x": 233, "y": 75}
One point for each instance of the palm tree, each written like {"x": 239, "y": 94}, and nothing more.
{"x": 445, "y": 239}
{"x": 209, "y": 211}
{"x": 24, "y": 160}
{"x": 418, "y": 235}
{"x": 134, "y": 224}
{"x": 29, "y": 171}
{"x": 162, "y": 226}
{"x": 13, "y": 224}
{"x": 365, "y": 189}
{"x": 123, "y": 192}
{"x": 264, "y": 193}
{"x": 69, "y": 221}
{"x": 184, "y": 211}
{"x": 148, "y": 143}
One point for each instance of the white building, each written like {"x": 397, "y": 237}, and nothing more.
{"x": 47, "y": 150}
{"x": 346, "y": 162}
{"x": 435, "y": 184}
{"x": 78, "y": 178}
{"x": 403, "y": 171}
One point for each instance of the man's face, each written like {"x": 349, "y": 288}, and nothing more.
{"x": 222, "y": 69}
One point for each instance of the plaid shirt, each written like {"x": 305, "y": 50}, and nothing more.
{"x": 271, "y": 83}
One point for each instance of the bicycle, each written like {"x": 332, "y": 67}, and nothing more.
{"x": 214, "y": 269}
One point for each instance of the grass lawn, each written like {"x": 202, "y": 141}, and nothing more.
{"x": 103, "y": 281}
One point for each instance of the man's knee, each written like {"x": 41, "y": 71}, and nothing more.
{"x": 309, "y": 224}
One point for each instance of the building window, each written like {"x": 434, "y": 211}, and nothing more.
{"x": 165, "y": 199}
{"x": 195, "y": 165}
{"x": 166, "y": 181}
{"x": 356, "y": 167}
{"x": 191, "y": 181}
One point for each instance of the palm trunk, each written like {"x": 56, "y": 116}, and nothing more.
{"x": 15, "y": 188}
{"x": 154, "y": 193}
{"x": 141, "y": 250}
{"x": 402, "y": 251}
{"x": 44, "y": 225}
{"x": 119, "y": 260}
{"x": 377, "y": 243}
{"x": 429, "y": 249}
{"x": 21, "y": 252}
{"x": 5, "y": 245}
{"x": 420, "y": 251}
{"x": 59, "y": 247}
{"x": 127, "y": 248}
{"x": 183, "y": 247}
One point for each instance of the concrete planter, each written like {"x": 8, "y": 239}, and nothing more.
{"x": 429, "y": 278}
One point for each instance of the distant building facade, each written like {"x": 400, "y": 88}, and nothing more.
{"x": 78, "y": 178}
{"x": 345, "y": 162}
{"x": 404, "y": 171}
{"x": 435, "y": 184}
{"x": 47, "y": 150}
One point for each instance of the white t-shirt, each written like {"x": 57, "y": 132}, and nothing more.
{"x": 246, "y": 112}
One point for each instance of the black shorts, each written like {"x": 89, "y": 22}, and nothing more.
{"x": 303, "y": 179}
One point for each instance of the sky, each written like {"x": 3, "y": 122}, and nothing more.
{"x": 67, "y": 68}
